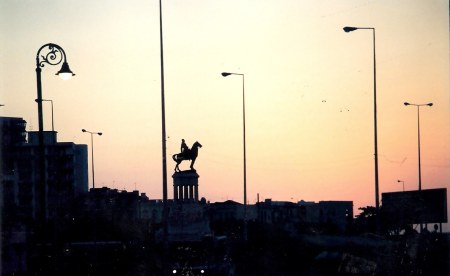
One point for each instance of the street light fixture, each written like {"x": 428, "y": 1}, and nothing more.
{"x": 350, "y": 29}
{"x": 53, "y": 55}
{"x": 403, "y": 182}
{"x": 226, "y": 74}
{"x": 418, "y": 135}
{"x": 53, "y": 122}
{"x": 65, "y": 73}
{"x": 92, "y": 153}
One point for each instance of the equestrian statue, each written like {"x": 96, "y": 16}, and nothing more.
{"x": 186, "y": 154}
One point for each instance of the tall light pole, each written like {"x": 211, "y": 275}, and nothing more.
{"x": 163, "y": 131}
{"x": 350, "y": 29}
{"x": 92, "y": 153}
{"x": 53, "y": 55}
{"x": 418, "y": 135}
{"x": 226, "y": 74}
{"x": 403, "y": 182}
{"x": 53, "y": 122}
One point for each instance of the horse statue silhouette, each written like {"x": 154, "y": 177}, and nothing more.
{"x": 187, "y": 154}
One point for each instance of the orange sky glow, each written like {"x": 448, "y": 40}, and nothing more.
{"x": 308, "y": 91}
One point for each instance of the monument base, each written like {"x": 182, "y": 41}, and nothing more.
{"x": 188, "y": 222}
{"x": 185, "y": 186}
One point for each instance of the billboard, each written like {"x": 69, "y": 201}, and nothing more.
{"x": 414, "y": 207}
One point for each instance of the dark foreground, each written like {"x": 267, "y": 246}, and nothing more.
{"x": 265, "y": 253}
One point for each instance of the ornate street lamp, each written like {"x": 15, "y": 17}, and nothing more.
{"x": 52, "y": 54}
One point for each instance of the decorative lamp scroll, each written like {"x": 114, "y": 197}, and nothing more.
{"x": 54, "y": 56}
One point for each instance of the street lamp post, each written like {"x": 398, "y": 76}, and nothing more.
{"x": 350, "y": 29}
{"x": 53, "y": 122}
{"x": 403, "y": 182}
{"x": 418, "y": 135}
{"x": 163, "y": 133}
{"x": 52, "y": 55}
{"x": 92, "y": 153}
{"x": 226, "y": 74}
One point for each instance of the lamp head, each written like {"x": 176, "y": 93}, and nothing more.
{"x": 406, "y": 103}
{"x": 65, "y": 73}
{"x": 83, "y": 130}
{"x": 100, "y": 133}
{"x": 349, "y": 29}
{"x": 430, "y": 104}
{"x": 225, "y": 74}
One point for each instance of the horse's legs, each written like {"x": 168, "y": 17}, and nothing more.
{"x": 192, "y": 164}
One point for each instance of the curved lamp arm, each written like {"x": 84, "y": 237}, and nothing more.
{"x": 54, "y": 55}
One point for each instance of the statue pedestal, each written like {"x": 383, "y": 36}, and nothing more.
{"x": 188, "y": 220}
{"x": 185, "y": 186}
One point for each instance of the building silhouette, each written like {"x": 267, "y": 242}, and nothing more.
{"x": 295, "y": 218}
{"x": 66, "y": 173}
{"x": 66, "y": 178}
{"x": 66, "y": 169}
{"x": 13, "y": 136}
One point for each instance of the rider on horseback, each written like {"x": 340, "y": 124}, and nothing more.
{"x": 186, "y": 154}
{"x": 184, "y": 149}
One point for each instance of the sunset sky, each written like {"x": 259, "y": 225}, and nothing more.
{"x": 308, "y": 91}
